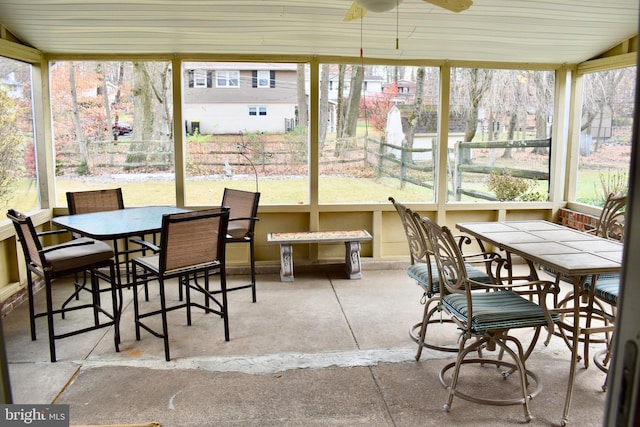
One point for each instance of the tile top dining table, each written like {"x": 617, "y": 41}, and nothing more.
{"x": 575, "y": 254}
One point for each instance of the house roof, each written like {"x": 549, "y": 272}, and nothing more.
{"x": 242, "y": 66}
{"x": 522, "y": 31}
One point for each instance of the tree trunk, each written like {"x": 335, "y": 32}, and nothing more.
{"x": 479, "y": 84}
{"x": 108, "y": 125}
{"x": 353, "y": 103}
{"x": 513, "y": 122}
{"x": 416, "y": 114}
{"x": 143, "y": 119}
{"x": 323, "y": 108}
{"x": 340, "y": 109}
{"x": 541, "y": 131}
{"x": 303, "y": 112}
{"x": 77, "y": 125}
{"x": 116, "y": 99}
{"x": 153, "y": 118}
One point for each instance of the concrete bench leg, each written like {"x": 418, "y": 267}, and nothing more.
{"x": 352, "y": 260}
{"x": 286, "y": 262}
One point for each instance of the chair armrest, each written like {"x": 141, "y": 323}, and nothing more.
{"x": 147, "y": 245}
{"x": 52, "y": 232}
{"x": 250, "y": 218}
{"x": 463, "y": 240}
{"x": 70, "y": 244}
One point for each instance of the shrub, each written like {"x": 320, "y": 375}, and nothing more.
{"x": 507, "y": 187}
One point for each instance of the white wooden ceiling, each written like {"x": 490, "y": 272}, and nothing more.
{"x": 524, "y": 31}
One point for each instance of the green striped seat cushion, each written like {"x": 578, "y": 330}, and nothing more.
{"x": 607, "y": 287}
{"x": 607, "y": 290}
{"x": 497, "y": 310}
{"x": 420, "y": 274}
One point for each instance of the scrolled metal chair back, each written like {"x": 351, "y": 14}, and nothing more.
{"x": 611, "y": 221}
{"x": 448, "y": 257}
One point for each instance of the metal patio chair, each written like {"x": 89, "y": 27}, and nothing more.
{"x": 192, "y": 251}
{"x": 424, "y": 271}
{"x": 485, "y": 319}
{"x": 243, "y": 211}
{"x": 53, "y": 262}
{"x": 601, "y": 302}
{"x": 80, "y": 202}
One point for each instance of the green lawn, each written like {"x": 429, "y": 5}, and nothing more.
{"x": 204, "y": 192}
{"x": 274, "y": 191}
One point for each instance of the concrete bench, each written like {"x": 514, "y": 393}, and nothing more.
{"x": 351, "y": 239}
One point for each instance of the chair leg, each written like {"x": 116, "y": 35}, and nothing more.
{"x": 253, "y": 269}
{"x": 423, "y": 329}
{"x": 454, "y": 381}
{"x": 185, "y": 280}
{"x": 116, "y": 291}
{"x": 32, "y": 311}
{"x": 428, "y": 312}
{"x": 498, "y": 339}
{"x": 95, "y": 296}
{"x": 225, "y": 314}
{"x": 76, "y": 293}
{"x": 136, "y": 306}
{"x": 52, "y": 339}
{"x": 163, "y": 313}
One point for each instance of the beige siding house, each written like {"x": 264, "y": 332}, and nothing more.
{"x": 239, "y": 97}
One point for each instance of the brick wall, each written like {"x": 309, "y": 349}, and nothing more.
{"x": 19, "y": 297}
{"x": 578, "y": 220}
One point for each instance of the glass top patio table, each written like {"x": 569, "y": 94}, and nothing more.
{"x": 117, "y": 224}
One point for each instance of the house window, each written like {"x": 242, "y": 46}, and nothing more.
{"x": 199, "y": 78}
{"x": 227, "y": 78}
{"x": 263, "y": 78}
{"x": 257, "y": 111}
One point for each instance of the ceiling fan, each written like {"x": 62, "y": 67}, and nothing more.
{"x": 360, "y": 7}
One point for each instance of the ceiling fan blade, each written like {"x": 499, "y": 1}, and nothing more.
{"x": 355, "y": 12}
{"x": 452, "y": 5}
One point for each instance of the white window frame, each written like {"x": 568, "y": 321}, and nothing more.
{"x": 258, "y": 110}
{"x": 264, "y": 78}
{"x": 200, "y": 78}
{"x": 227, "y": 78}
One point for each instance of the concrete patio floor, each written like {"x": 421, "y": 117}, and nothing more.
{"x": 320, "y": 351}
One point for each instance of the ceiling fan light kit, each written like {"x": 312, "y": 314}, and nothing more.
{"x": 379, "y": 5}
{"x": 360, "y": 7}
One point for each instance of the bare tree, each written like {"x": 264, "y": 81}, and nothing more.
{"x": 416, "y": 113}
{"x": 600, "y": 89}
{"x": 353, "y": 102}
{"x": 108, "y": 125}
{"x": 543, "y": 85}
{"x": 303, "y": 111}
{"x": 340, "y": 107}
{"x": 153, "y": 117}
{"x": 470, "y": 85}
{"x": 323, "y": 111}
{"x": 11, "y": 146}
{"x": 77, "y": 124}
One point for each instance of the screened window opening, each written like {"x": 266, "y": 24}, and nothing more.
{"x": 500, "y": 135}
